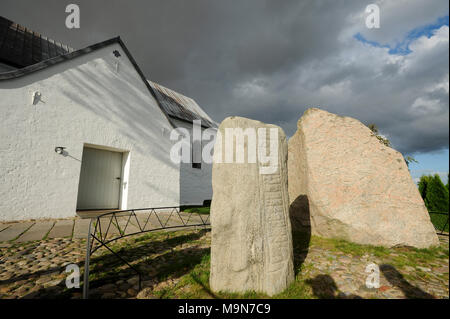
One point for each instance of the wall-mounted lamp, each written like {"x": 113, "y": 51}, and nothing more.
{"x": 36, "y": 98}
{"x": 59, "y": 149}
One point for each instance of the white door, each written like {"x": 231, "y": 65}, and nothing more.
{"x": 99, "y": 186}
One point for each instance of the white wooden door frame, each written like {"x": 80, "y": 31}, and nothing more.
{"x": 125, "y": 170}
{"x": 123, "y": 196}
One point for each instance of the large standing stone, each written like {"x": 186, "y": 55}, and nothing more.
{"x": 355, "y": 187}
{"x": 251, "y": 242}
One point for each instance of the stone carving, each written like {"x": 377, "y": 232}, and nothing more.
{"x": 251, "y": 240}
{"x": 356, "y": 188}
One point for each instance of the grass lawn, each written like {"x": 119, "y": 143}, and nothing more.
{"x": 199, "y": 210}
{"x": 177, "y": 265}
{"x": 195, "y": 284}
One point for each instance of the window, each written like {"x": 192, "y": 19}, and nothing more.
{"x": 196, "y": 154}
{"x": 197, "y": 165}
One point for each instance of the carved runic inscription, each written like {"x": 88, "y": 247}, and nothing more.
{"x": 275, "y": 222}
{"x": 251, "y": 244}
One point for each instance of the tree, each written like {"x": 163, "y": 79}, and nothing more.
{"x": 434, "y": 193}
{"x": 448, "y": 177}
{"x": 375, "y": 132}
{"x": 423, "y": 184}
{"x": 409, "y": 159}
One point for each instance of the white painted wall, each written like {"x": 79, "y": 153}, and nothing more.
{"x": 89, "y": 99}
{"x": 195, "y": 184}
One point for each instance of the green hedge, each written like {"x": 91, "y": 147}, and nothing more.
{"x": 439, "y": 221}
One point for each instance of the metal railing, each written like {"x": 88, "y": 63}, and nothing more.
{"x": 112, "y": 226}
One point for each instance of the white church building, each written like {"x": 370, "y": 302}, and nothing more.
{"x": 85, "y": 130}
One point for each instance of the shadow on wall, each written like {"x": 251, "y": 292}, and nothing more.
{"x": 119, "y": 98}
{"x": 301, "y": 229}
{"x": 104, "y": 87}
{"x": 95, "y": 89}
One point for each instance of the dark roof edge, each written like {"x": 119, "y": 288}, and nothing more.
{"x": 187, "y": 121}
{"x": 56, "y": 60}
{"x": 69, "y": 56}
{"x": 143, "y": 78}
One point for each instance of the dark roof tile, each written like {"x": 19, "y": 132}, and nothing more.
{"x": 181, "y": 107}
{"x": 21, "y": 47}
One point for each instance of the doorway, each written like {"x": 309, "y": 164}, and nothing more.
{"x": 100, "y": 179}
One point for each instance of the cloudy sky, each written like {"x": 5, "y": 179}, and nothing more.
{"x": 271, "y": 60}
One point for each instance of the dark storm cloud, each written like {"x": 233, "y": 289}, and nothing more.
{"x": 270, "y": 60}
